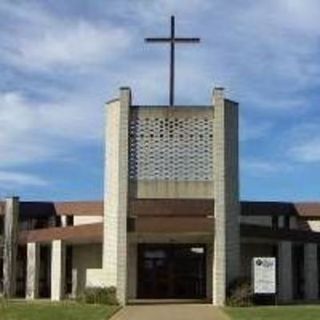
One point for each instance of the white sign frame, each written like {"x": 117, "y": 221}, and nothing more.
{"x": 264, "y": 275}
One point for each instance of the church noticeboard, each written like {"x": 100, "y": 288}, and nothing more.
{"x": 264, "y": 275}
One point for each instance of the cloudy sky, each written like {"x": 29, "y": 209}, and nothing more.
{"x": 61, "y": 60}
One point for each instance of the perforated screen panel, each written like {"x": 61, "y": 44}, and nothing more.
{"x": 171, "y": 148}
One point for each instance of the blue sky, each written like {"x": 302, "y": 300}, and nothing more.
{"x": 61, "y": 60}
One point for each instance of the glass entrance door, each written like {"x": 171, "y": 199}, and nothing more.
{"x": 171, "y": 271}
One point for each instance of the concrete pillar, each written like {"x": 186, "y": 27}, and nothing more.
{"x": 311, "y": 276}
{"x": 33, "y": 268}
{"x": 58, "y": 264}
{"x": 116, "y": 194}
{"x": 63, "y": 221}
{"x": 226, "y": 264}
{"x": 74, "y": 290}
{"x": 10, "y": 246}
{"x": 285, "y": 286}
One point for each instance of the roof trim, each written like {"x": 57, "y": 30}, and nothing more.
{"x": 79, "y": 208}
{"x": 88, "y": 233}
{"x": 254, "y": 231}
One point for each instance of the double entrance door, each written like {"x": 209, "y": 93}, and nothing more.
{"x": 171, "y": 271}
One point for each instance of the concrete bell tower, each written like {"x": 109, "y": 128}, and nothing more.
{"x": 185, "y": 153}
{"x": 171, "y": 178}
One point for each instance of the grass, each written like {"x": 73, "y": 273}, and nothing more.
{"x": 310, "y": 312}
{"x": 54, "y": 311}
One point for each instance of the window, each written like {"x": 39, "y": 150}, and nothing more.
{"x": 69, "y": 221}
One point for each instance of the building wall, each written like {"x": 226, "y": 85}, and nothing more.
{"x": 250, "y": 250}
{"x": 294, "y": 223}
{"x": 132, "y": 270}
{"x": 314, "y": 225}
{"x": 84, "y": 257}
{"x": 226, "y": 262}
{"x": 10, "y": 246}
{"x": 266, "y": 221}
{"x": 79, "y": 220}
{"x": 257, "y": 220}
{"x": 171, "y": 152}
{"x": 95, "y": 278}
{"x": 116, "y": 194}
{"x": 209, "y": 266}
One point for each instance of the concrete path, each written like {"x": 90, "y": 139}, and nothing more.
{"x": 170, "y": 312}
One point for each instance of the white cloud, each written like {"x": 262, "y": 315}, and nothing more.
{"x": 154, "y": 12}
{"x": 265, "y": 52}
{"x": 261, "y": 167}
{"x": 250, "y": 130}
{"x": 308, "y": 151}
{"x": 35, "y": 132}
{"x": 9, "y": 179}
{"x": 302, "y": 15}
{"x": 45, "y": 41}
{"x": 302, "y": 142}
{"x": 79, "y": 45}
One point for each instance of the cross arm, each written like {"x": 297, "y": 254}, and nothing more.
{"x": 172, "y": 40}
{"x": 187, "y": 39}
{"x": 157, "y": 39}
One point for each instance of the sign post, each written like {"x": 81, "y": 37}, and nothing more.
{"x": 264, "y": 276}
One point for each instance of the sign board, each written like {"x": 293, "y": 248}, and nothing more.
{"x": 264, "y": 275}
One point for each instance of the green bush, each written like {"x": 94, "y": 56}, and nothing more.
{"x": 96, "y": 295}
{"x": 240, "y": 293}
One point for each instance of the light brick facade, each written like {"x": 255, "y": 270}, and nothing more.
{"x": 10, "y": 246}
{"x": 226, "y": 263}
{"x": 33, "y": 269}
{"x": 58, "y": 256}
{"x": 115, "y": 217}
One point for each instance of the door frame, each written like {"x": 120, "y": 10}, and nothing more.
{"x": 166, "y": 246}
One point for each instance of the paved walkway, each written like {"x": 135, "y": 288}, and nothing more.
{"x": 170, "y": 312}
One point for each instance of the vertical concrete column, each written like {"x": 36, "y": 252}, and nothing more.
{"x": 226, "y": 264}
{"x": 63, "y": 221}
{"x": 10, "y": 246}
{"x": 74, "y": 290}
{"x": 58, "y": 264}
{"x": 285, "y": 289}
{"x": 311, "y": 271}
{"x": 116, "y": 194}
{"x": 33, "y": 268}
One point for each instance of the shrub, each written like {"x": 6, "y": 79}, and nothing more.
{"x": 240, "y": 293}
{"x": 97, "y": 295}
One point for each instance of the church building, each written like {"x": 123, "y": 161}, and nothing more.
{"x": 171, "y": 225}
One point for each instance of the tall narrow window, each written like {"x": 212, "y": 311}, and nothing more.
{"x": 69, "y": 221}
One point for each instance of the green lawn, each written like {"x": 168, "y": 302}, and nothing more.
{"x": 54, "y": 311}
{"x": 311, "y": 312}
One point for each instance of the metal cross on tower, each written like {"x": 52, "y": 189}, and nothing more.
{"x": 172, "y": 40}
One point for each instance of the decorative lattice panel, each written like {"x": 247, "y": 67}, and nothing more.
{"x": 171, "y": 149}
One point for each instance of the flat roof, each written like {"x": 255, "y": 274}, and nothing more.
{"x": 166, "y": 207}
